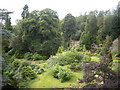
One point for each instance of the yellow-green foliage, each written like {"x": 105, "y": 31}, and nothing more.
{"x": 28, "y": 73}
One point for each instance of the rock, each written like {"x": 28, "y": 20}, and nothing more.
{"x": 115, "y": 49}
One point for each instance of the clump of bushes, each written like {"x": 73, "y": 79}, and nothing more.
{"x": 35, "y": 56}
{"x": 63, "y": 74}
{"x": 28, "y": 73}
{"x": 19, "y": 72}
{"x": 66, "y": 58}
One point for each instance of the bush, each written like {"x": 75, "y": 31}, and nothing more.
{"x": 18, "y": 55}
{"x": 63, "y": 74}
{"x": 25, "y": 63}
{"x": 32, "y": 66}
{"x": 40, "y": 71}
{"x": 103, "y": 51}
{"x": 86, "y": 59}
{"x": 28, "y": 73}
{"x": 37, "y": 56}
{"x": 66, "y": 58}
{"x": 16, "y": 64}
{"x": 28, "y": 56}
{"x": 76, "y": 66}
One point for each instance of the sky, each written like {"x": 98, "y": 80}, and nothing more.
{"x": 63, "y": 7}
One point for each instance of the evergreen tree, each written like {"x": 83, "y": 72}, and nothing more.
{"x": 25, "y": 12}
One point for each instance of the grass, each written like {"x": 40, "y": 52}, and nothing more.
{"x": 46, "y": 80}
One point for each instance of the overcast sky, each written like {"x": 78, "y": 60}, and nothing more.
{"x": 63, "y": 7}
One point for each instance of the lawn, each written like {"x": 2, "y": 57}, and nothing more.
{"x": 46, "y": 80}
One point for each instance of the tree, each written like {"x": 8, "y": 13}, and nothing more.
{"x": 100, "y": 18}
{"x": 38, "y": 33}
{"x": 88, "y": 36}
{"x": 116, "y": 22}
{"x": 80, "y": 25}
{"x": 25, "y": 12}
{"x": 8, "y": 25}
{"x": 49, "y": 31}
{"x": 6, "y": 39}
{"x": 68, "y": 28}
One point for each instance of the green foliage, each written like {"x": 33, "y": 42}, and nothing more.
{"x": 8, "y": 25}
{"x": 6, "y": 37}
{"x": 25, "y": 63}
{"x": 76, "y": 66}
{"x": 106, "y": 45}
{"x": 63, "y": 74}
{"x": 28, "y": 73}
{"x": 37, "y": 56}
{"x": 68, "y": 28}
{"x": 40, "y": 71}
{"x": 28, "y": 56}
{"x": 38, "y": 32}
{"x": 116, "y": 67}
{"x": 16, "y": 64}
{"x": 66, "y": 58}
{"x": 103, "y": 51}
{"x": 87, "y": 36}
{"x": 86, "y": 59}
{"x": 60, "y": 50}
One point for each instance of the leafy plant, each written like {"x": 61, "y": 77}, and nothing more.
{"x": 37, "y": 56}
{"x": 25, "y": 63}
{"x": 40, "y": 71}
{"x": 28, "y": 73}
{"x": 76, "y": 66}
{"x": 63, "y": 74}
{"x": 86, "y": 59}
{"x": 28, "y": 56}
{"x": 16, "y": 64}
{"x": 66, "y": 58}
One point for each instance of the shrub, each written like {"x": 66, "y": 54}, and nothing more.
{"x": 63, "y": 74}
{"x": 103, "y": 51}
{"x": 37, "y": 56}
{"x": 36, "y": 68}
{"x": 18, "y": 55}
{"x": 28, "y": 73}
{"x": 66, "y": 58}
{"x": 86, "y": 59}
{"x": 16, "y": 64}
{"x": 25, "y": 63}
{"x": 28, "y": 56}
{"x": 32, "y": 66}
{"x": 76, "y": 66}
{"x": 40, "y": 71}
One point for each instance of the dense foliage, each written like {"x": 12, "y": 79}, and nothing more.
{"x": 66, "y": 58}
{"x": 40, "y": 40}
{"x": 63, "y": 74}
